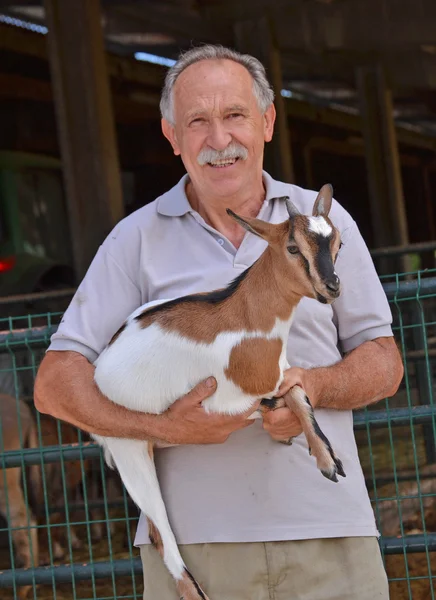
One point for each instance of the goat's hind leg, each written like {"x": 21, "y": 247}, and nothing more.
{"x": 187, "y": 587}
{"x": 319, "y": 446}
{"x": 134, "y": 461}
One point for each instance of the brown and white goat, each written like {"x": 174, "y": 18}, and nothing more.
{"x": 239, "y": 335}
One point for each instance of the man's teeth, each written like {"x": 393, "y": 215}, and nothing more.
{"x": 223, "y": 162}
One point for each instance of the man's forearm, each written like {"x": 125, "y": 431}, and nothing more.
{"x": 371, "y": 372}
{"x": 65, "y": 388}
{"x": 74, "y": 397}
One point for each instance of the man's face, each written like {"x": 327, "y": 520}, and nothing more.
{"x": 214, "y": 108}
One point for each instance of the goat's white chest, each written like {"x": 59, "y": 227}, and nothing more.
{"x": 148, "y": 369}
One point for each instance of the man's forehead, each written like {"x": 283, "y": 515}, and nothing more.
{"x": 209, "y": 79}
{"x": 210, "y": 70}
{"x": 220, "y": 105}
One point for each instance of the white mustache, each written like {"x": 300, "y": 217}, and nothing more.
{"x": 233, "y": 150}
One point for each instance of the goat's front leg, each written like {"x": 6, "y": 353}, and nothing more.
{"x": 319, "y": 446}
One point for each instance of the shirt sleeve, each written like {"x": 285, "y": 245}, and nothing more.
{"x": 105, "y": 298}
{"x": 362, "y": 310}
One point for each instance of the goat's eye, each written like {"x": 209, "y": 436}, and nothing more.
{"x": 293, "y": 250}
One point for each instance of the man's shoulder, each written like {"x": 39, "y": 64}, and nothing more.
{"x": 148, "y": 219}
{"x": 140, "y": 217}
{"x": 128, "y": 233}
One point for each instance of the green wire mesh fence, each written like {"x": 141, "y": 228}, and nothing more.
{"x": 67, "y": 524}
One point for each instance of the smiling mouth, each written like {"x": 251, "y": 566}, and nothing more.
{"x": 219, "y": 164}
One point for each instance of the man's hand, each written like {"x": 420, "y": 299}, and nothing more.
{"x": 297, "y": 376}
{"x": 186, "y": 421}
{"x": 281, "y": 423}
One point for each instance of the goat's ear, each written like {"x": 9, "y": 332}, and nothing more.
{"x": 323, "y": 202}
{"x": 256, "y": 226}
{"x": 292, "y": 209}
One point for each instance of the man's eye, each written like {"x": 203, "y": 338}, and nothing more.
{"x": 293, "y": 250}
{"x": 234, "y": 115}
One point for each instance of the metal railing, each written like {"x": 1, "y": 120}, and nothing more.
{"x": 395, "y": 440}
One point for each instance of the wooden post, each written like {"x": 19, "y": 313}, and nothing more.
{"x": 388, "y": 210}
{"x": 257, "y": 38}
{"x": 85, "y": 124}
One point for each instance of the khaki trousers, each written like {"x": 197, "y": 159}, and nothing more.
{"x": 327, "y": 569}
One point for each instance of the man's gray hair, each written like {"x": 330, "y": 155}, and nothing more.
{"x": 261, "y": 87}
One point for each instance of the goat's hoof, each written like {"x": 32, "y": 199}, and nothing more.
{"x": 287, "y": 442}
{"x": 339, "y": 467}
{"x": 330, "y": 475}
{"x": 335, "y": 470}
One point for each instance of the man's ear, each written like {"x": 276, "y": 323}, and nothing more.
{"x": 256, "y": 226}
{"x": 170, "y": 133}
{"x": 269, "y": 118}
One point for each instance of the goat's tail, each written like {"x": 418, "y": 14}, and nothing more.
{"x": 137, "y": 470}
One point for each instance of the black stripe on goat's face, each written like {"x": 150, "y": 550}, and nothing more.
{"x": 315, "y": 242}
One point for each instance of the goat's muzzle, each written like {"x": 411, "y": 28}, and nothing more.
{"x": 333, "y": 287}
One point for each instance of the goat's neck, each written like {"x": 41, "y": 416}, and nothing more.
{"x": 263, "y": 293}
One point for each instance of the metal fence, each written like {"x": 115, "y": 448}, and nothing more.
{"x": 68, "y": 525}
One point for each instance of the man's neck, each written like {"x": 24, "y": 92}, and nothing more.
{"x": 213, "y": 210}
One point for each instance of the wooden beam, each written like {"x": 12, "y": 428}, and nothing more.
{"x": 429, "y": 202}
{"x": 257, "y": 38}
{"x": 17, "y": 87}
{"x": 238, "y": 11}
{"x": 119, "y": 68}
{"x": 85, "y": 124}
{"x": 24, "y": 42}
{"x": 173, "y": 20}
{"x": 342, "y": 119}
{"x": 129, "y": 70}
{"x": 133, "y": 107}
{"x": 382, "y": 158}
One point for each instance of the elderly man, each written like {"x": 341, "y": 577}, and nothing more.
{"x": 254, "y": 518}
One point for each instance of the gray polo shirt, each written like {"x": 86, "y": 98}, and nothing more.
{"x": 250, "y": 488}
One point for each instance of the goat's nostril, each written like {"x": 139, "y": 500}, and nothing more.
{"x": 333, "y": 286}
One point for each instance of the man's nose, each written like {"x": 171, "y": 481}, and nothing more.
{"x": 219, "y": 138}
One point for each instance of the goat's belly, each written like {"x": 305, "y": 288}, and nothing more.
{"x": 148, "y": 369}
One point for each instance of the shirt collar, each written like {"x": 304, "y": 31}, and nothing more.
{"x": 175, "y": 203}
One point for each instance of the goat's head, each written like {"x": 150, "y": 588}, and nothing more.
{"x": 304, "y": 248}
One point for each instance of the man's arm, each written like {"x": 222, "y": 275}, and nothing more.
{"x": 369, "y": 373}
{"x": 372, "y": 371}
{"x": 65, "y": 388}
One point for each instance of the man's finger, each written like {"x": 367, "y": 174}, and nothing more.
{"x": 278, "y": 416}
{"x": 200, "y": 392}
{"x": 289, "y": 383}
